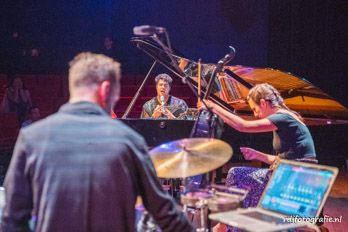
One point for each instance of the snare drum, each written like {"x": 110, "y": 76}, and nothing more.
{"x": 222, "y": 204}
{"x": 191, "y": 199}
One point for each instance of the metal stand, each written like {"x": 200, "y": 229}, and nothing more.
{"x": 136, "y": 96}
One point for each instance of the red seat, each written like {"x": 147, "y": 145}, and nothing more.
{"x": 3, "y": 81}
{"x": 8, "y": 131}
{"x": 29, "y": 81}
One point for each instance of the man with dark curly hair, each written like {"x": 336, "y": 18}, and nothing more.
{"x": 163, "y": 105}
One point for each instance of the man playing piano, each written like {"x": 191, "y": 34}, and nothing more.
{"x": 163, "y": 105}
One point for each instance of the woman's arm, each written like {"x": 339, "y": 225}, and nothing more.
{"x": 238, "y": 123}
{"x": 252, "y": 154}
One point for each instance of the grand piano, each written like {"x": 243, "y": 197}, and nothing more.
{"x": 326, "y": 117}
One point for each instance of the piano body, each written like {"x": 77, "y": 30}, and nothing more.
{"x": 327, "y": 119}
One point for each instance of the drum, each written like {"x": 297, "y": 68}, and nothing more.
{"x": 191, "y": 199}
{"x": 226, "y": 198}
{"x": 222, "y": 204}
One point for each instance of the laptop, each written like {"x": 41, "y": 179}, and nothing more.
{"x": 294, "y": 197}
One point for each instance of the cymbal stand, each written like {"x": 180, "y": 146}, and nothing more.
{"x": 202, "y": 206}
{"x": 178, "y": 72}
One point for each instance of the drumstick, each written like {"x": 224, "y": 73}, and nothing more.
{"x": 199, "y": 81}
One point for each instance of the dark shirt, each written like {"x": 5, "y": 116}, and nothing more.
{"x": 21, "y": 106}
{"x": 80, "y": 170}
{"x": 292, "y": 139}
{"x": 26, "y": 123}
{"x": 175, "y": 105}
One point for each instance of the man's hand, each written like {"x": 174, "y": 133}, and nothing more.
{"x": 169, "y": 114}
{"x": 201, "y": 106}
{"x": 157, "y": 112}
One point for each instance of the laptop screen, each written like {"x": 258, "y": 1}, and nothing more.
{"x": 296, "y": 190}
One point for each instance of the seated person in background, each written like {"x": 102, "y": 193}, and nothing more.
{"x": 19, "y": 99}
{"x": 163, "y": 105}
{"x": 291, "y": 138}
{"x": 33, "y": 116}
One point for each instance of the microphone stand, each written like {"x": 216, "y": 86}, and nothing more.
{"x": 136, "y": 96}
{"x": 168, "y": 41}
{"x": 168, "y": 51}
{"x": 177, "y": 71}
{"x": 219, "y": 67}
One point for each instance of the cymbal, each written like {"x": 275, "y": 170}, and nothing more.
{"x": 189, "y": 157}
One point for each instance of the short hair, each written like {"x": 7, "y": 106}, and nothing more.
{"x": 164, "y": 77}
{"x": 88, "y": 69}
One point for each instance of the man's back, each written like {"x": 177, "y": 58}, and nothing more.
{"x": 85, "y": 170}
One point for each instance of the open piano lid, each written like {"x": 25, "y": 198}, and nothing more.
{"x": 232, "y": 85}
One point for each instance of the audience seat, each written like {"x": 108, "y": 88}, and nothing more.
{"x": 8, "y": 129}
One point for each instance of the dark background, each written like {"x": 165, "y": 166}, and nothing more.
{"x": 307, "y": 38}
{"x": 199, "y": 29}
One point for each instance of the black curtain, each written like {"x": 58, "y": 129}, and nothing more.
{"x": 308, "y": 38}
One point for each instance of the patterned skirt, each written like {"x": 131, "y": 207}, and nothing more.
{"x": 251, "y": 179}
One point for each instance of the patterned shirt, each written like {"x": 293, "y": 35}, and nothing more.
{"x": 175, "y": 105}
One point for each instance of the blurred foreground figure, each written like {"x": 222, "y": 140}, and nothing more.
{"x": 79, "y": 170}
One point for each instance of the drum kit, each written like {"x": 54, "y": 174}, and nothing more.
{"x": 195, "y": 156}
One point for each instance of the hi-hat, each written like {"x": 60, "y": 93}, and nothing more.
{"x": 189, "y": 157}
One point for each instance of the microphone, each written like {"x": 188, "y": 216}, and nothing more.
{"x": 162, "y": 101}
{"x": 148, "y": 30}
{"x": 225, "y": 60}
{"x": 220, "y": 65}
